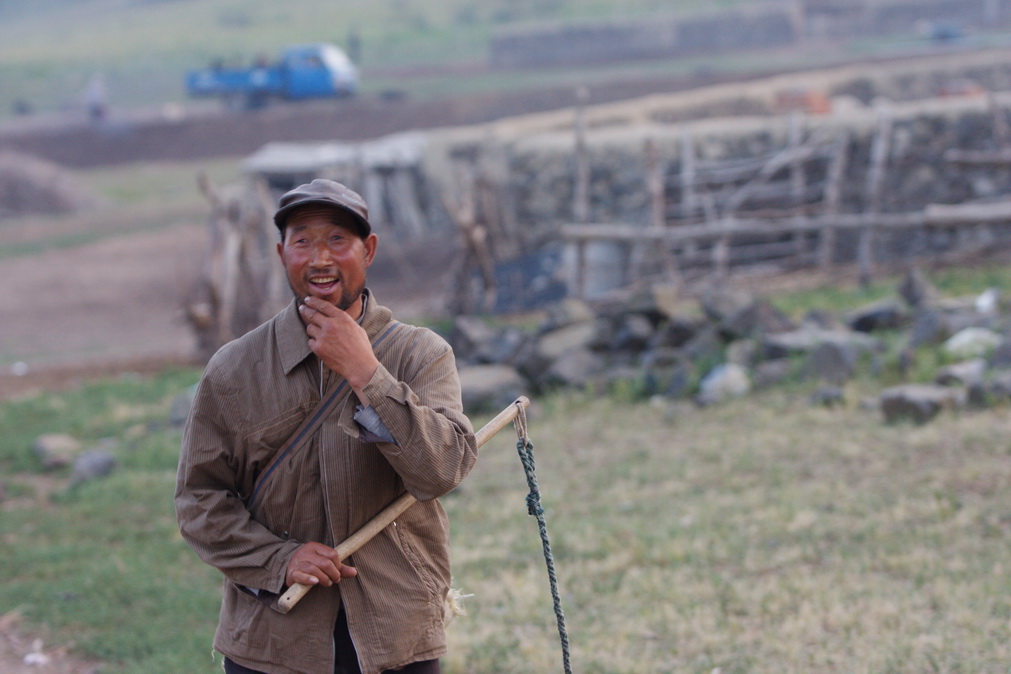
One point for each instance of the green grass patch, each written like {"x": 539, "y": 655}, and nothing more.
{"x": 842, "y": 297}
{"x": 130, "y": 410}
{"x": 761, "y": 536}
{"x": 764, "y": 535}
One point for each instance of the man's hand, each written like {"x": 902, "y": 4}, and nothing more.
{"x": 317, "y": 564}
{"x": 339, "y": 341}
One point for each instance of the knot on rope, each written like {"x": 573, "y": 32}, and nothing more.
{"x": 525, "y": 449}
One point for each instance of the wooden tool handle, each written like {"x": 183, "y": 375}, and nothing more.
{"x": 394, "y": 510}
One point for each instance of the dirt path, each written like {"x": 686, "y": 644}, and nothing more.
{"x": 79, "y": 308}
{"x": 24, "y": 654}
{"x": 116, "y": 305}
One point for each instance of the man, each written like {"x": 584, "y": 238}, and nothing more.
{"x": 267, "y": 511}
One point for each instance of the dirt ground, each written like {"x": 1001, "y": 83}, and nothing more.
{"x": 21, "y": 653}
{"x": 116, "y": 306}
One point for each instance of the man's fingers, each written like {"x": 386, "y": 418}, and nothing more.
{"x": 308, "y": 312}
{"x": 303, "y": 578}
{"x": 318, "y": 306}
{"x": 317, "y": 564}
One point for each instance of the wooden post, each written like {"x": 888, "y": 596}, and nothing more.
{"x": 475, "y": 248}
{"x": 880, "y": 148}
{"x": 833, "y": 198}
{"x": 655, "y": 178}
{"x": 721, "y": 256}
{"x": 581, "y": 269}
{"x": 642, "y": 252}
{"x": 798, "y": 179}
{"x": 581, "y": 188}
{"x": 688, "y": 175}
{"x": 1001, "y": 129}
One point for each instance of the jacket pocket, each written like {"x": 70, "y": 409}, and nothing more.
{"x": 241, "y": 615}
{"x": 417, "y": 561}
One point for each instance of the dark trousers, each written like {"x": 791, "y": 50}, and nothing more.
{"x": 346, "y": 659}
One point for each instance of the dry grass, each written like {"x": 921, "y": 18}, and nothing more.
{"x": 763, "y": 536}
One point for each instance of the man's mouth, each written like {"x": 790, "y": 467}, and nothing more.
{"x": 323, "y": 283}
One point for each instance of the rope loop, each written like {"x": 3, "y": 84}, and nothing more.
{"x": 525, "y": 449}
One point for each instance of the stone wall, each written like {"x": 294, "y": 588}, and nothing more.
{"x": 852, "y": 17}
{"x": 764, "y": 25}
{"x": 541, "y": 166}
{"x": 537, "y": 153}
{"x": 754, "y": 26}
{"x": 533, "y": 158}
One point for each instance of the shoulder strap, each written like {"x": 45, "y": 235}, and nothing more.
{"x": 309, "y": 425}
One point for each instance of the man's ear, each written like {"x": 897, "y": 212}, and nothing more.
{"x": 370, "y": 242}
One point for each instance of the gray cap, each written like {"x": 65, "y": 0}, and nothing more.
{"x": 323, "y": 192}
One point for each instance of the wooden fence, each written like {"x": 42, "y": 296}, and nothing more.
{"x": 784, "y": 209}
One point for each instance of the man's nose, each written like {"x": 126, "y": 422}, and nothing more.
{"x": 320, "y": 254}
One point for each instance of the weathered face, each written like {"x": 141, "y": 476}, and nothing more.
{"x": 324, "y": 256}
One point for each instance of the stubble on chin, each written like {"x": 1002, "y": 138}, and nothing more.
{"x": 346, "y": 300}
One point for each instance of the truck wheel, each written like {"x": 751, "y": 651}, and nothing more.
{"x": 234, "y": 102}
{"x": 255, "y": 101}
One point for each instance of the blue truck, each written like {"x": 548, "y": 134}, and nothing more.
{"x": 302, "y": 72}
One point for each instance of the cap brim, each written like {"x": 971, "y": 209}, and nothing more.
{"x": 281, "y": 216}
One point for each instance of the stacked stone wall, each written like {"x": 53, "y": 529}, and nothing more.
{"x": 918, "y": 173}
{"x": 755, "y": 26}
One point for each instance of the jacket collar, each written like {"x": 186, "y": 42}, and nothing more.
{"x": 293, "y": 342}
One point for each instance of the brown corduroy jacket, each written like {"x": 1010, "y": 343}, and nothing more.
{"x": 244, "y": 512}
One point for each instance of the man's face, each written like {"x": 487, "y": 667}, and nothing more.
{"x": 324, "y": 256}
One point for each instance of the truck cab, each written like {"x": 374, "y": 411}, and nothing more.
{"x": 318, "y": 71}
{"x": 302, "y": 72}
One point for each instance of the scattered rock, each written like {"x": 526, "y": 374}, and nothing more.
{"x": 805, "y": 339}
{"x": 575, "y": 368}
{"x": 832, "y": 362}
{"x": 56, "y": 450}
{"x": 971, "y": 342}
{"x": 918, "y": 402}
{"x": 772, "y": 372}
{"x": 490, "y": 387}
{"x": 966, "y": 373}
{"x": 91, "y": 465}
{"x": 741, "y": 343}
{"x": 828, "y": 396}
{"x": 725, "y": 381}
{"x": 886, "y": 314}
{"x": 180, "y": 410}
{"x": 916, "y": 290}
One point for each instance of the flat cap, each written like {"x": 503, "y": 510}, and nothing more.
{"x": 323, "y": 192}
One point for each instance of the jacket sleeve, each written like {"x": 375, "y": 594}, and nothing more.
{"x": 421, "y": 405}
{"x": 210, "y": 486}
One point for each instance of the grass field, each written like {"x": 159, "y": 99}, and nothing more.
{"x": 765, "y": 535}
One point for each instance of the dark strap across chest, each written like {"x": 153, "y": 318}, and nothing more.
{"x": 326, "y": 406}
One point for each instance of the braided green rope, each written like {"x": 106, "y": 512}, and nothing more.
{"x": 526, "y": 451}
